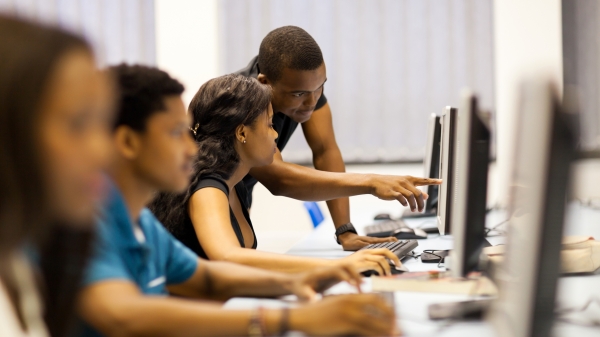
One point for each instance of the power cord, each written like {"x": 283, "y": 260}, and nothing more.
{"x": 495, "y": 229}
{"x": 592, "y": 322}
{"x": 592, "y": 203}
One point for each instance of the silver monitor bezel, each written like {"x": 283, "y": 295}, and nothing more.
{"x": 447, "y": 146}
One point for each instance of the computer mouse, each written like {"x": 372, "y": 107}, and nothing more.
{"x": 399, "y": 270}
{"x": 431, "y": 230}
{"x": 409, "y": 233}
{"x": 383, "y": 216}
{"x": 395, "y": 271}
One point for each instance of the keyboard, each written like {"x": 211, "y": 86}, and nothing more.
{"x": 401, "y": 248}
{"x": 384, "y": 228}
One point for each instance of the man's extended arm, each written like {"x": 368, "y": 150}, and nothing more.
{"x": 303, "y": 183}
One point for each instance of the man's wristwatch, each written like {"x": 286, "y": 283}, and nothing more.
{"x": 344, "y": 229}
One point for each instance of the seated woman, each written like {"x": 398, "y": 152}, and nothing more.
{"x": 55, "y": 118}
{"x": 232, "y": 125}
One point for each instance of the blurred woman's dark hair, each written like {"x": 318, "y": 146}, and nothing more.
{"x": 29, "y": 54}
{"x": 218, "y": 108}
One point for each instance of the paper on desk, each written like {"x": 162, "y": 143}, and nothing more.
{"x": 579, "y": 254}
{"x": 481, "y": 286}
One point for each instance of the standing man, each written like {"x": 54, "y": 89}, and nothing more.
{"x": 291, "y": 62}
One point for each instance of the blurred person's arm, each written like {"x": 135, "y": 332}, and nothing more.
{"x": 117, "y": 308}
{"x": 224, "y": 280}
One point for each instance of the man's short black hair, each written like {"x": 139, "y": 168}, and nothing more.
{"x": 288, "y": 47}
{"x": 141, "y": 93}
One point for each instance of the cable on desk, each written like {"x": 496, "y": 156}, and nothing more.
{"x": 495, "y": 229}
{"x": 593, "y": 322}
{"x": 591, "y": 203}
{"x": 495, "y": 207}
{"x": 431, "y": 252}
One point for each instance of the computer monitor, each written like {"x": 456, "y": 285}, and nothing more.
{"x": 432, "y": 161}
{"x": 446, "y": 167}
{"x": 431, "y": 164}
{"x": 472, "y": 155}
{"x": 528, "y": 275}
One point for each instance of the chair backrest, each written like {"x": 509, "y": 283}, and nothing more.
{"x": 315, "y": 213}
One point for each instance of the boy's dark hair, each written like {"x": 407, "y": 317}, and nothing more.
{"x": 288, "y": 47}
{"x": 141, "y": 91}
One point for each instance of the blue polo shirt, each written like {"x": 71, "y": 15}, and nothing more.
{"x": 153, "y": 264}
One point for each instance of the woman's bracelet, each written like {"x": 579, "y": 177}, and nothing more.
{"x": 284, "y": 322}
{"x": 257, "y": 327}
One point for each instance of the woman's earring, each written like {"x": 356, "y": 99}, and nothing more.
{"x": 244, "y": 141}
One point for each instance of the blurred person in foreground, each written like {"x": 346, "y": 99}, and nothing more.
{"x": 55, "y": 118}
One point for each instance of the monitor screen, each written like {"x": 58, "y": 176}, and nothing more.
{"x": 446, "y": 166}
{"x": 432, "y": 161}
{"x": 472, "y": 154}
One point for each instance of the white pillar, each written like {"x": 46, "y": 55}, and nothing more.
{"x": 527, "y": 42}
{"x": 187, "y": 41}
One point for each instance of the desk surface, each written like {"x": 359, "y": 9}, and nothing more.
{"x": 411, "y": 307}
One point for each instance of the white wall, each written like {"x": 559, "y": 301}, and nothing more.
{"x": 586, "y": 180}
{"x": 187, "y": 41}
{"x": 528, "y": 42}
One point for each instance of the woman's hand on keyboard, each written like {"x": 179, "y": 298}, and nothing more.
{"x": 372, "y": 259}
{"x": 352, "y": 242}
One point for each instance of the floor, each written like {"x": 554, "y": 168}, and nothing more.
{"x": 281, "y": 222}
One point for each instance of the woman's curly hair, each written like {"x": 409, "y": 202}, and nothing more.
{"x": 218, "y": 108}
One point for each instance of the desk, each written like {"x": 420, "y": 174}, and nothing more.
{"x": 573, "y": 291}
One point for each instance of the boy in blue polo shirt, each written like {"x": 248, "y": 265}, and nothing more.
{"x": 137, "y": 263}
